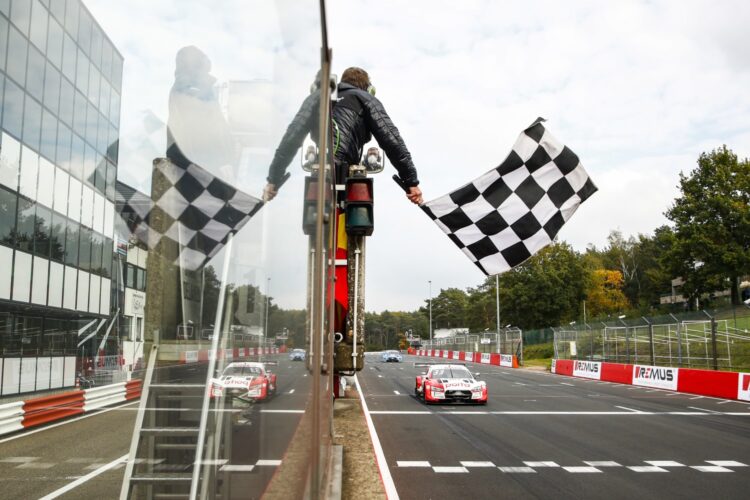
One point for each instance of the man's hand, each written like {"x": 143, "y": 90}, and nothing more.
{"x": 269, "y": 192}
{"x": 415, "y": 195}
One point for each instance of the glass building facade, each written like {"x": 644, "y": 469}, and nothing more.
{"x": 60, "y": 81}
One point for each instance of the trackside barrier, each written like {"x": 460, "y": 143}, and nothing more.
{"x": 11, "y": 417}
{"x": 228, "y": 354}
{"x": 47, "y": 409}
{"x": 487, "y": 358}
{"x": 99, "y": 397}
{"x": 726, "y": 385}
{"x": 37, "y": 411}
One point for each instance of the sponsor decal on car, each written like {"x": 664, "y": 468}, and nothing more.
{"x": 743, "y": 390}
{"x": 485, "y": 358}
{"x": 587, "y": 369}
{"x": 552, "y": 366}
{"x": 658, "y": 377}
{"x": 506, "y": 360}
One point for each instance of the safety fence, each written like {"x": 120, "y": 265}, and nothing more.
{"x": 508, "y": 340}
{"x": 708, "y": 342}
{"x": 227, "y": 354}
{"x": 485, "y": 358}
{"x": 43, "y": 410}
{"x": 718, "y": 384}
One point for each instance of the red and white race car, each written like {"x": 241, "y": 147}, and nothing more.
{"x": 449, "y": 383}
{"x": 250, "y": 381}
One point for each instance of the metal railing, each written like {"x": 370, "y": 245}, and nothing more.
{"x": 508, "y": 341}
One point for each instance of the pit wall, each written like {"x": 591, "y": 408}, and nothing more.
{"x": 717, "y": 384}
{"x": 485, "y": 358}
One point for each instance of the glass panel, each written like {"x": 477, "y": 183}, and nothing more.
{"x": 38, "y": 31}
{"x": 79, "y": 122}
{"x": 5, "y": 9}
{"x": 104, "y": 95}
{"x": 29, "y": 173}
{"x": 13, "y": 109}
{"x": 63, "y": 146}
{"x": 89, "y": 166}
{"x": 57, "y": 8}
{"x": 71, "y": 244}
{"x": 94, "y": 81}
{"x": 96, "y": 46}
{"x": 92, "y": 120}
{"x": 52, "y": 89}
{"x": 116, "y": 79}
{"x": 8, "y": 203}
{"x": 10, "y": 161}
{"x": 106, "y": 66}
{"x": 71, "y": 17}
{"x": 111, "y": 181}
{"x": 107, "y": 258}
{"x": 28, "y": 330}
{"x": 3, "y": 41}
{"x": 20, "y": 14}
{"x": 17, "y": 50}
{"x": 46, "y": 183}
{"x": 114, "y": 108}
{"x": 70, "y": 51}
{"x": 67, "y": 106}
{"x": 32, "y": 122}
{"x": 55, "y": 43}
{"x": 25, "y": 225}
{"x": 42, "y": 230}
{"x": 57, "y": 237}
{"x": 82, "y": 72}
{"x": 87, "y": 206}
{"x": 84, "y": 249}
{"x": 77, "y": 154}
{"x": 61, "y": 191}
{"x": 35, "y": 74}
{"x": 49, "y": 135}
{"x": 96, "y": 253}
{"x": 130, "y": 276}
{"x": 74, "y": 200}
{"x": 84, "y": 31}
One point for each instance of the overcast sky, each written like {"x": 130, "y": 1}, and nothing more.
{"x": 637, "y": 89}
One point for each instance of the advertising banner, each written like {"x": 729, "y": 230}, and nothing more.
{"x": 506, "y": 360}
{"x": 552, "y": 366}
{"x": 743, "y": 389}
{"x": 587, "y": 369}
{"x": 658, "y": 377}
{"x": 485, "y": 358}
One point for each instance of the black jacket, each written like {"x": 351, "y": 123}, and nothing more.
{"x": 357, "y": 117}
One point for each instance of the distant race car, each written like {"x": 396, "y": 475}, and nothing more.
{"x": 449, "y": 383}
{"x": 297, "y": 355}
{"x": 249, "y": 381}
{"x": 392, "y": 356}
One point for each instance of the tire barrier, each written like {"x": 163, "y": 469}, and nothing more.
{"x": 717, "y": 384}
{"x": 485, "y": 358}
{"x": 43, "y": 410}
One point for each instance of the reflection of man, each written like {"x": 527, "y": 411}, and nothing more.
{"x": 357, "y": 117}
{"x": 372, "y": 158}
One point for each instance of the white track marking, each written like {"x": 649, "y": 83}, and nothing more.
{"x": 703, "y": 409}
{"x": 541, "y": 464}
{"x": 282, "y": 411}
{"x": 581, "y": 469}
{"x": 697, "y": 397}
{"x": 236, "y": 468}
{"x": 450, "y": 470}
{"x": 602, "y": 463}
{"x": 48, "y": 427}
{"x": 518, "y": 470}
{"x": 477, "y": 464}
{"x": 397, "y": 412}
{"x": 291, "y": 391}
{"x": 710, "y": 468}
{"x": 87, "y": 477}
{"x": 646, "y": 468}
{"x": 726, "y": 463}
{"x": 18, "y": 460}
{"x": 37, "y": 465}
{"x": 628, "y": 409}
{"x": 565, "y": 383}
{"x": 664, "y": 463}
{"x": 385, "y": 472}
{"x": 272, "y": 463}
{"x": 396, "y": 393}
{"x": 412, "y": 463}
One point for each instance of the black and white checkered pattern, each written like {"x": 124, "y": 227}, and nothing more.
{"x": 196, "y": 213}
{"x": 508, "y": 214}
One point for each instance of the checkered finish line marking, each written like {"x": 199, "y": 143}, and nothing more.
{"x": 193, "y": 216}
{"x": 591, "y": 467}
{"x": 511, "y": 212}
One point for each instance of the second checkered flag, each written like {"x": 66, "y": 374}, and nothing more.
{"x": 511, "y": 212}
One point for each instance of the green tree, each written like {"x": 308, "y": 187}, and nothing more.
{"x": 449, "y": 309}
{"x": 712, "y": 224}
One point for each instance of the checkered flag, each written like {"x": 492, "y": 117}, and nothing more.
{"x": 508, "y": 214}
{"x": 191, "y": 219}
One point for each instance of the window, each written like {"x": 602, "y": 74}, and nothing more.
{"x": 42, "y": 229}
{"x": 71, "y": 17}
{"x": 10, "y": 160}
{"x": 20, "y": 14}
{"x": 52, "y": 89}
{"x": 38, "y": 29}
{"x": 106, "y": 65}
{"x": 82, "y": 72}
{"x": 84, "y": 31}
{"x": 57, "y": 8}
{"x": 55, "y": 43}
{"x": 13, "y": 109}
{"x": 67, "y": 96}
{"x": 71, "y": 244}
{"x": 84, "y": 249}
{"x": 61, "y": 191}
{"x": 96, "y": 253}
{"x": 57, "y": 237}
{"x": 25, "y": 225}
{"x": 79, "y": 117}
{"x": 140, "y": 279}
{"x": 49, "y": 135}
{"x": 107, "y": 248}
{"x": 96, "y": 45}
{"x": 94, "y": 82}
{"x": 69, "y": 58}
{"x": 74, "y": 200}
{"x": 35, "y": 74}
{"x": 3, "y": 41}
{"x": 46, "y": 186}
{"x": 32, "y": 122}
{"x": 63, "y": 146}
{"x": 129, "y": 275}
{"x": 17, "y": 50}
{"x": 76, "y": 157}
{"x": 8, "y": 203}
{"x": 28, "y": 332}
{"x": 29, "y": 173}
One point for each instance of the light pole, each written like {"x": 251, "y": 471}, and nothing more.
{"x": 430, "y": 285}
{"x": 265, "y": 328}
{"x": 497, "y": 302}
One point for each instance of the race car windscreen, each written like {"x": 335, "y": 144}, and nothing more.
{"x": 239, "y": 371}
{"x": 451, "y": 372}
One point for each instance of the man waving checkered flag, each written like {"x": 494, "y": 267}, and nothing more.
{"x": 508, "y": 214}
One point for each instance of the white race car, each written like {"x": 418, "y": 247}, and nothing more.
{"x": 449, "y": 383}
{"x": 245, "y": 380}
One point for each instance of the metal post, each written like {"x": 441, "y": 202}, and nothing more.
{"x": 430, "y": 285}
{"x": 265, "y": 328}
{"x": 679, "y": 340}
{"x": 497, "y": 301}
{"x": 651, "y": 340}
{"x": 713, "y": 343}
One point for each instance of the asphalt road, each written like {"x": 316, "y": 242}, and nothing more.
{"x": 51, "y": 458}
{"x": 549, "y": 436}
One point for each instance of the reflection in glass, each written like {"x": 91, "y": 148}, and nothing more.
{"x": 61, "y": 191}
{"x": 25, "y": 225}
{"x": 42, "y": 229}
{"x": 29, "y": 172}
{"x": 74, "y": 200}
{"x": 84, "y": 249}
{"x": 69, "y": 58}
{"x": 55, "y": 42}
{"x": 49, "y": 135}
{"x": 107, "y": 246}
{"x": 76, "y": 157}
{"x": 20, "y": 14}
{"x": 67, "y": 103}
{"x": 13, "y": 108}
{"x": 38, "y": 29}
{"x": 45, "y": 189}
{"x": 7, "y": 216}
{"x": 71, "y": 244}
{"x": 96, "y": 252}
{"x": 82, "y": 72}
{"x": 71, "y": 17}
{"x": 17, "y": 50}
{"x": 62, "y": 155}
{"x": 52, "y": 88}
{"x": 35, "y": 73}
{"x": 32, "y": 122}
{"x": 57, "y": 237}
{"x": 10, "y": 161}
{"x": 3, "y": 41}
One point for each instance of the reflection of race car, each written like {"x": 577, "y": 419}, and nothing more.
{"x": 449, "y": 384}
{"x": 250, "y": 381}
{"x": 297, "y": 355}
{"x": 392, "y": 356}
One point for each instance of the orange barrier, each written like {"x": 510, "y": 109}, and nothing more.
{"x": 133, "y": 389}
{"x": 46, "y": 409}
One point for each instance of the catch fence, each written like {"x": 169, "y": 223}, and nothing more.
{"x": 507, "y": 341}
